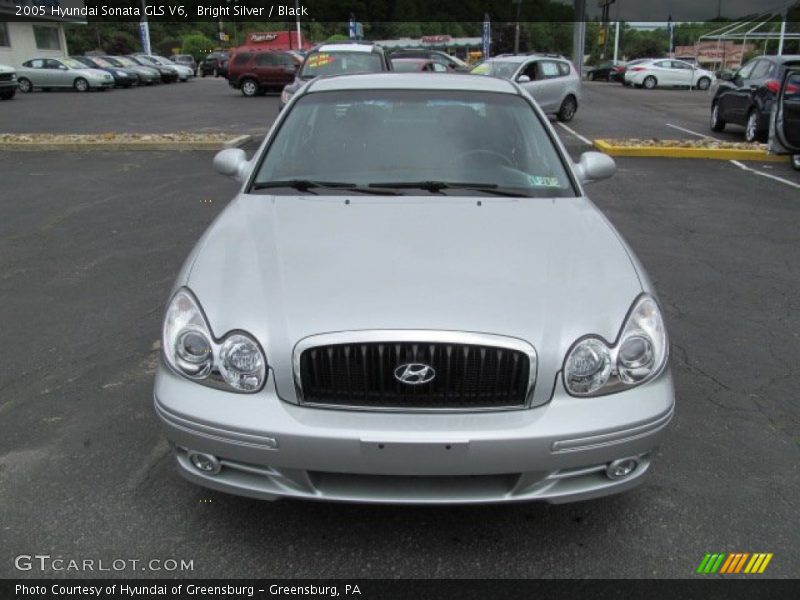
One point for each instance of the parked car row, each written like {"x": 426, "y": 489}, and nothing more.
{"x": 650, "y": 73}
{"x": 84, "y": 73}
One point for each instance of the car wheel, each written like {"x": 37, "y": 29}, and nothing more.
{"x": 717, "y": 124}
{"x": 8, "y": 95}
{"x": 796, "y": 162}
{"x": 25, "y": 85}
{"x": 751, "y": 132}
{"x": 81, "y": 85}
{"x": 649, "y": 82}
{"x": 568, "y": 109}
{"x": 249, "y": 88}
{"x": 703, "y": 83}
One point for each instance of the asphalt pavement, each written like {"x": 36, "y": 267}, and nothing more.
{"x": 91, "y": 242}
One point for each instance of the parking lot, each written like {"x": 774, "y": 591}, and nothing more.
{"x": 90, "y": 244}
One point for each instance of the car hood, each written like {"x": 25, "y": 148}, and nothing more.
{"x": 285, "y": 267}
{"x": 6, "y": 69}
{"x": 96, "y": 73}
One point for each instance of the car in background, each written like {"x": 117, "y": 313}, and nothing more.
{"x": 147, "y": 75}
{"x": 255, "y": 73}
{"x": 424, "y": 65}
{"x": 184, "y": 73}
{"x": 432, "y": 310}
{"x": 338, "y": 58}
{"x": 215, "y": 64}
{"x": 604, "y": 71}
{"x": 746, "y": 98}
{"x": 186, "y": 60}
{"x": 122, "y": 77}
{"x": 668, "y": 72}
{"x": 8, "y": 82}
{"x": 552, "y": 81}
{"x": 49, "y": 73}
{"x": 167, "y": 74}
{"x": 621, "y": 69}
{"x": 453, "y": 63}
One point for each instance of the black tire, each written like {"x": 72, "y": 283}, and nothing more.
{"x": 796, "y": 162}
{"x": 25, "y": 85}
{"x": 703, "y": 83}
{"x": 717, "y": 124}
{"x": 249, "y": 87}
{"x": 649, "y": 82}
{"x": 81, "y": 85}
{"x": 7, "y": 95}
{"x": 752, "y": 131}
{"x": 568, "y": 109}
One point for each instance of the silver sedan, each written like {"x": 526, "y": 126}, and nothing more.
{"x": 49, "y": 73}
{"x": 412, "y": 300}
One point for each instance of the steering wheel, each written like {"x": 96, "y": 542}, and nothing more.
{"x": 481, "y": 151}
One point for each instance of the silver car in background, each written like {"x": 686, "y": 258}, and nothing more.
{"x": 47, "y": 73}
{"x": 412, "y": 300}
{"x": 184, "y": 73}
{"x": 551, "y": 80}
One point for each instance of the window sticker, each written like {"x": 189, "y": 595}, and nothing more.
{"x": 539, "y": 181}
{"x": 319, "y": 60}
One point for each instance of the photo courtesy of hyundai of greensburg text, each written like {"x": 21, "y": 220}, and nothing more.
{"x": 392, "y": 299}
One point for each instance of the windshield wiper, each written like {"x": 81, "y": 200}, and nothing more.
{"x": 306, "y": 185}
{"x": 438, "y": 186}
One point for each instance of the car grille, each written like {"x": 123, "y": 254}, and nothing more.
{"x": 363, "y": 375}
{"x": 5, "y": 76}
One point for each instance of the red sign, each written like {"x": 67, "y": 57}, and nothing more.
{"x": 257, "y": 38}
{"x": 435, "y": 39}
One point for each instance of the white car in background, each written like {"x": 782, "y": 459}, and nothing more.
{"x": 668, "y": 72}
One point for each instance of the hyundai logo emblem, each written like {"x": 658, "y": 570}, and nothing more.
{"x": 414, "y": 373}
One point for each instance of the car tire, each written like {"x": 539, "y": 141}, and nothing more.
{"x": 249, "y": 88}
{"x": 717, "y": 124}
{"x": 25, "y": 85}
{"x": 568, "y": 109}
{"x": 8, "y": 95}
{"x": 649, "y": 82}
{"x": 751, "y": 131}
{"x": 703, "y": 83}
{"x": 81, "y": 85}
{"x": 796, "y": 162}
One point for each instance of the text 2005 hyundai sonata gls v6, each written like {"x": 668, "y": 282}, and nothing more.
{"x": 412, "y": 301}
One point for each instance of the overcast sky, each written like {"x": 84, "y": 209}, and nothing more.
{"x": 683, "y": 10}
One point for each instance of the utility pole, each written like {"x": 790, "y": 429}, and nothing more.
{"x": 616, "y": 41}
{"x": 299, "y": 34}
{"x": 783, "y": 34}
{"x": 579, "y": 34}
{"x": 516, "y": 27}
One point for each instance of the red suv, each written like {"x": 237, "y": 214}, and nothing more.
{"x": 256, "y": 72}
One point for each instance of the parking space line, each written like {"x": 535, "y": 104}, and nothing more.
{"x": 702, "y": 135}
{"x": 757, "y": 172}
{"x": 585, "y": 140}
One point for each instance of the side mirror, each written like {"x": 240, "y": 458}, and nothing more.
{"x": 232, "y": 162}
{"x": 523, "y": 79}
{"x": 594, "y": 166}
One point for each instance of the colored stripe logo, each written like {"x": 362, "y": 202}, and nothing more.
{"x": 734, "y": 563}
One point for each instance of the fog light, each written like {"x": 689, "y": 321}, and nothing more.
{"x": 205, "y": 462}
{"x": 622, "y": 468}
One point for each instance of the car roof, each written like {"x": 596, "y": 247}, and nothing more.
{"x": 346, "y": 47}
{"x": 414, "y": 81}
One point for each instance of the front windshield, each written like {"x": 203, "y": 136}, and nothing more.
{"x": 496, "y": 68}
{"x": 102, "y": 62}
{"x": 384, "y": 137}
{"x": 336, "y": 63}
{"x": 73, "y": 64}
{"x": 125, "y": 62}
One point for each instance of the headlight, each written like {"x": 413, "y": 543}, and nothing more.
{"x": 593, "y": 367}
{"x": 13, "y": 77}
{"x": 190, "y": 349}
{"x": 120, "y": 74}
{"x": 285, "y": 97}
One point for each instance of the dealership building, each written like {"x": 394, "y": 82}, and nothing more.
{"x": 22, "y": 40}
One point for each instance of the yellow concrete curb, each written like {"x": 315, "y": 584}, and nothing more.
{"x": 673, "y": 152}
{"x": 112, "y": 146}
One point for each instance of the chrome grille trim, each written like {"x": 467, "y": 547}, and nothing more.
{"x": 421, "y": 336}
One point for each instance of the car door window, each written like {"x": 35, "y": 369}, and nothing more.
{"x": 52, "y": 64}
{"x": 744, "y": 72}
{"x": 530, "y": 70}
{"x": 563, "y": 68}
{"x": 547, "y": 69}
{"x": 663, "y": 64}
{"x": 35, "y": 64}
{"x": 676, "y": 64}
{"x": 267, "y": 59}
{"x": 761, "y": 70}
{"x": 438, "y": 67}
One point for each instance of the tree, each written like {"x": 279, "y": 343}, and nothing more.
{"x": 121, "y": 42}
{"x": 197, "y": 44}
{"x": 167, "y": 46}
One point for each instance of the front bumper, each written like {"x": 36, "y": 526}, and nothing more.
{"x": 269, "y": 448}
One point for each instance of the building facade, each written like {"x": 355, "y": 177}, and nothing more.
{"x": 22, "y": 40}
